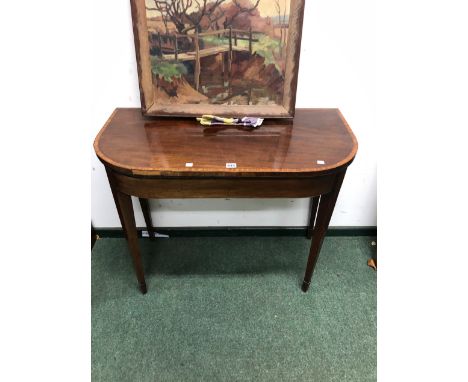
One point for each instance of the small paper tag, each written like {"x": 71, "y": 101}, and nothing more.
{"x": 320, "y": 162}
{"x": 188, "y": 164}
{"x": 231, "y": 165}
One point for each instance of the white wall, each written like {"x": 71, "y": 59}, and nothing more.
{"x": 336, "y": 70}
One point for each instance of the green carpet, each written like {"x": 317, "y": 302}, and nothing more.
{"x": 230, "y": 309}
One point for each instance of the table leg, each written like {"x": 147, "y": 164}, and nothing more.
{"x": 314, "y": 203}
{"x": 128, "y": 221}
{"x": 116, "y": 201}
{"x": 144, "y": 203}
{"x": 325, "y": 211}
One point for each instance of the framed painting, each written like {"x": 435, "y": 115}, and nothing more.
{"x": 223, "y": 57}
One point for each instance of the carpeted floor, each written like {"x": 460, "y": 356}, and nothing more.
{"x": 230, "y": 309}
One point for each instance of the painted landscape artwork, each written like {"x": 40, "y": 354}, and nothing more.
{"x": 218, "y": 52}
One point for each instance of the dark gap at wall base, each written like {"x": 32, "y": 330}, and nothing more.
{"x": 241, "y": 231}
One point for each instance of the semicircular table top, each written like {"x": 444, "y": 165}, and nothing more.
{"x": 316, "y": 141}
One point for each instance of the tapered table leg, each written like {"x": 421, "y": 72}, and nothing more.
{"x": 116, "y": 200}
{"x": 314, "y": 203}
{"x": 124, "y": 206}
{"x": 325, "y": 211}
{"x": 128, "y": 220}
{"x": 145, "y": 208}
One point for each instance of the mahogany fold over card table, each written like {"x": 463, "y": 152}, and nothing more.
{"x": 304, "y": 157}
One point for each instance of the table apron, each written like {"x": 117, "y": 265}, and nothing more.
{"x": 223, "y": 187}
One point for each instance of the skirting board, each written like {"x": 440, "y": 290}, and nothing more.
{"x": 240, "y": 231}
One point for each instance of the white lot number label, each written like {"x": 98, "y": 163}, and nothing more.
{"x": 231, "y": 165}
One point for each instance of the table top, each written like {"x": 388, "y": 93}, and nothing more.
{"x": 315, "y": 142}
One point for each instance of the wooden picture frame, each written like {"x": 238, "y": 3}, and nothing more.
{"x": 159, "y": 52}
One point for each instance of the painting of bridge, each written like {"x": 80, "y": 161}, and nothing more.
{"x": 225, "y": 52}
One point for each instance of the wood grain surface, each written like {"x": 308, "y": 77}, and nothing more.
{"x": 223, "y": 187}
{"x": 132, "y": 144}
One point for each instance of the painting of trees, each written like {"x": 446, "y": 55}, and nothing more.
{"x": 218, "y": 51}
{"x": 192, "y": 15}
{"x": 186, "y": 15}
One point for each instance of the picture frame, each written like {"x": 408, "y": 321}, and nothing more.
{"x": 223, "y": 57}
